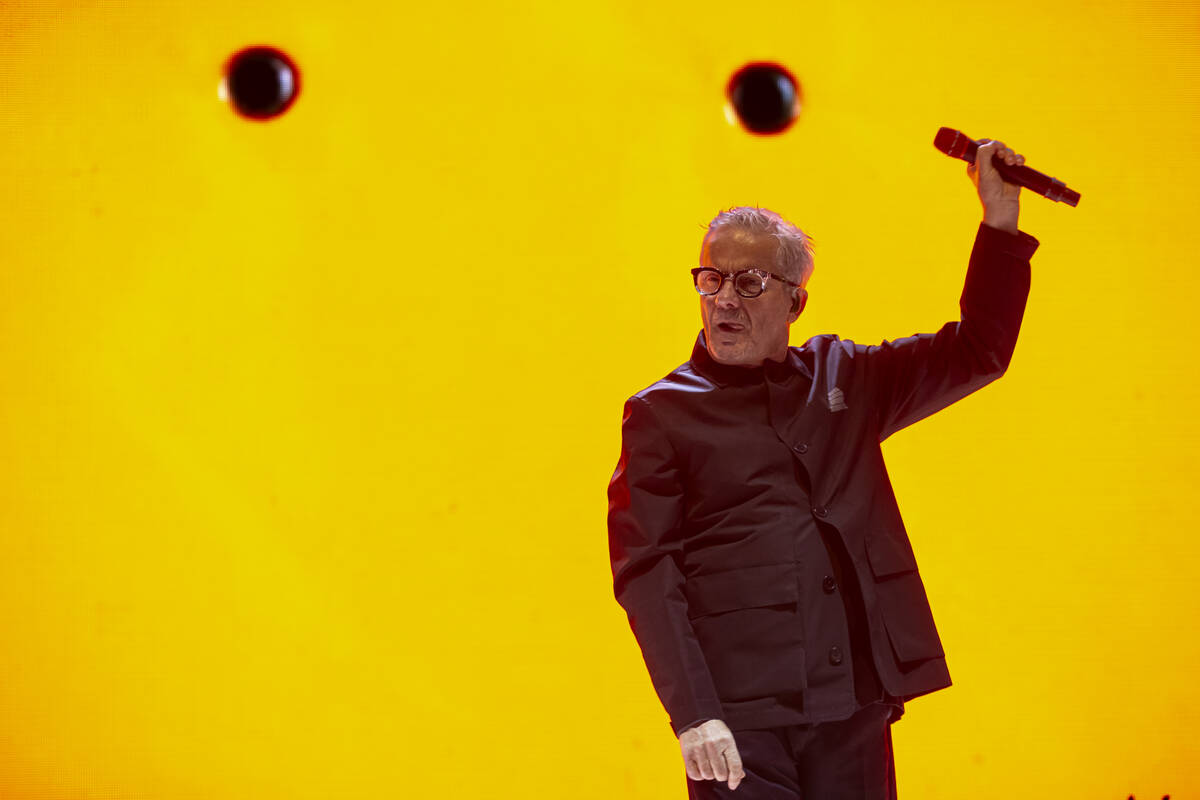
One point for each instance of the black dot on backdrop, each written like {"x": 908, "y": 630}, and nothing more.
{"x": 765, "y": 97}
{"x": 261, "y": 82}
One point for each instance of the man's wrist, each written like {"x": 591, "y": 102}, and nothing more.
{"x": 695, "y": 724}
{"x": 1002, "y": 216}
{"x": 1003, "y": 223}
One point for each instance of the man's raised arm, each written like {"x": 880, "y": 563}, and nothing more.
{"x": 910, "y": 378}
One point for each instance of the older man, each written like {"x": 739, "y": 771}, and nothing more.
{"x": 756, "y": 544}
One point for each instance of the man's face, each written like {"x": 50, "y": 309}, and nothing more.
{"x": 746, "y": 330}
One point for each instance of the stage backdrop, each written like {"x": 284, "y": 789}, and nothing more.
{"x": 306, "y": 423}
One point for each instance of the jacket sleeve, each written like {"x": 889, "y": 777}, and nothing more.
{"x": 909, "y": 379}
{"x": 645, "y": 512}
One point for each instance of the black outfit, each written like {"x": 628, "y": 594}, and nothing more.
{"x": 755, "y": 541}
{"x": 840, "y": 676}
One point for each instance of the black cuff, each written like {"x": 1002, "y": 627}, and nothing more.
{"x": 1019, "y": 244}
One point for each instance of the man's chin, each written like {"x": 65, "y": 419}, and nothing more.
{"x": 730, "y": 356}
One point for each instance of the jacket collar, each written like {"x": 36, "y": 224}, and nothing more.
{"x": 732, "y": 375}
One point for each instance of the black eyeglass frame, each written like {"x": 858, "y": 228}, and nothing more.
{"x": 733, "y": 276}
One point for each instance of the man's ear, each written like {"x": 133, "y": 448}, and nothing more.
{"x": 798, "y": 302}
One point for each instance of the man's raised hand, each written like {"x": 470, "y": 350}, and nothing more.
{"x": 709, "y": 753}
{"x": 1000, "y": 199}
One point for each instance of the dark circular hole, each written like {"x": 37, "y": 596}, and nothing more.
{"x": 765, "y": 97}
{"x": 262, "y": 82}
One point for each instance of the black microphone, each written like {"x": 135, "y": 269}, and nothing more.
{"x": 958, "y": 145}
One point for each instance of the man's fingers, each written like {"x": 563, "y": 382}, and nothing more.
{"x": 715, "y": 757}
{"x": 695, "y": 758}
{"x": 997, "y": 148}
{"x": 734, "y": 760}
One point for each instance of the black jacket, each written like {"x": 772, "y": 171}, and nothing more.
{"x": 704, "y": 509}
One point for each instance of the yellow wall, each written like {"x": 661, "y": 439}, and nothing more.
{"x": 305, "y": 426}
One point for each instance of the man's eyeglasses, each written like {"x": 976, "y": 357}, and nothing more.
{"x": 746, "y": 282}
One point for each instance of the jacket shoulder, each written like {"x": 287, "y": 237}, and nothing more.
{"x": 678, "y": 383}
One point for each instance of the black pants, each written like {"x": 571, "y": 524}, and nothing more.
{"x": 850, "y": 759}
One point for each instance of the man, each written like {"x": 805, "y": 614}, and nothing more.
{"x": 756, "y": 544}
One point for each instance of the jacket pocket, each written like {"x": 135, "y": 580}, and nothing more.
{"x": 748, "y": 587}
{"x": 747, "y": 622}
{"x": 902, "y": 601}
{"x": 890, "y": 554}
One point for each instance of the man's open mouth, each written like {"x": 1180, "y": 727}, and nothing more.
{"x": 730, "y": 327}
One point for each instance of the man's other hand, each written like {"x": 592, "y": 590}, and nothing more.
{"x": 710, "y": 753}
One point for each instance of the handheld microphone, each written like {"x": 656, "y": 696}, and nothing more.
{"x": 957, "y": 144}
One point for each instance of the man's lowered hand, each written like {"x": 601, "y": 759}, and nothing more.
{"x": 709, "y": 753}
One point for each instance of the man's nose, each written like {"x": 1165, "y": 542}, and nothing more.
{"x": 728, "y": 297}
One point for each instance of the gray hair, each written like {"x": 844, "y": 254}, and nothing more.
{"x": 795, "y": 254}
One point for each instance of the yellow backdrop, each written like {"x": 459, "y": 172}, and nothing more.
{"x": 306, "y": 425}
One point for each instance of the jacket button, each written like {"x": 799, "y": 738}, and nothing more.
{"x": 801, "y": 448}
{"x": 829, "y": 584}
{"x": 821, "y": 511}
{"x": 835, "y": 656}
